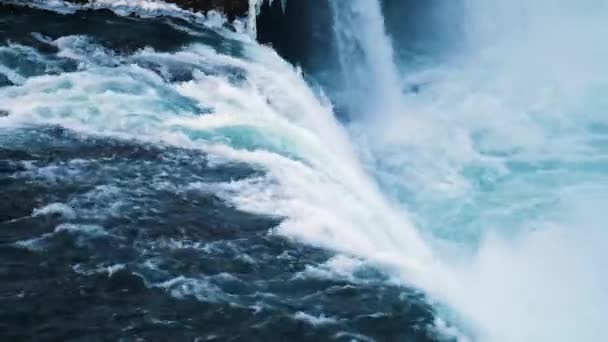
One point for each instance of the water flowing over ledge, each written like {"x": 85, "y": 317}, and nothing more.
{"x": 456, "y": 198}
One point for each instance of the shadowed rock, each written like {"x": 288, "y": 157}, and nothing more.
{"x": 3, "y": 113}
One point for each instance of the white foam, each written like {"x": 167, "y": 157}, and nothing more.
{"x": 81, "y": 232}
{"x": 271, "y": 120}
{"x": 55, "y": 208}
{"x": 314, "y": 320}
{"x": 126, "y": 7}
{"x": 338, "y": 267}
{"x": 546, "y": 285}
{"x": 59, "y": 6}
{"x": 83, "y": 50}
{"x": 86, "y": 229}
{"x": 182, "y": 287}
{"x": 353, "y": 336}
{"x": 500, "y": 143}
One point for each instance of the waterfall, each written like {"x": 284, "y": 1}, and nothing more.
{"x": 498, "y": 157}
{"x": 369, "y": 72}
{"x": 484, "y": 190}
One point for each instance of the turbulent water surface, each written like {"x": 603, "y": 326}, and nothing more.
{"x": 165, "y": 177}
{"x": 130, "y": 148}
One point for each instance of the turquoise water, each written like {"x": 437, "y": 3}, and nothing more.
{"x": 475, "y": 201}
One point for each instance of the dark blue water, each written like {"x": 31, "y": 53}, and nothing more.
{"x": 105, "y": 238}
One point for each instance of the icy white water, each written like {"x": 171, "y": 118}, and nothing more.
{"x": 501, "y": 159}
{"x": 370, "y": 77}
{"x": 484, "y": 189}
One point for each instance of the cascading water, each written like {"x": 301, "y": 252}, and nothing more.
{"x": 147, "y": 172}
{"x": 366, "y": 58}
{"x": 183, "y": 170}
{"x": 500, "y": 158}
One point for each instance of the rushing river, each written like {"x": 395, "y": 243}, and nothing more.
{"x": 165, "y": 177}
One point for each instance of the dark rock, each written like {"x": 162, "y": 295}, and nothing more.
{"x": 3, "y": 113}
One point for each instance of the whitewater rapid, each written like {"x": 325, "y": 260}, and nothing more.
{"x": 270, "y": 119}
{"x": 501, "y": 160}
{"x": 484, "y": 189}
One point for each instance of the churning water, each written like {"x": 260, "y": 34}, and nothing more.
{"x": 171, "y": 177}
{"x": 499, "y": 154}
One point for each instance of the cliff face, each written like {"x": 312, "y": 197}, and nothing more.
{"x": 302, "y": 33}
